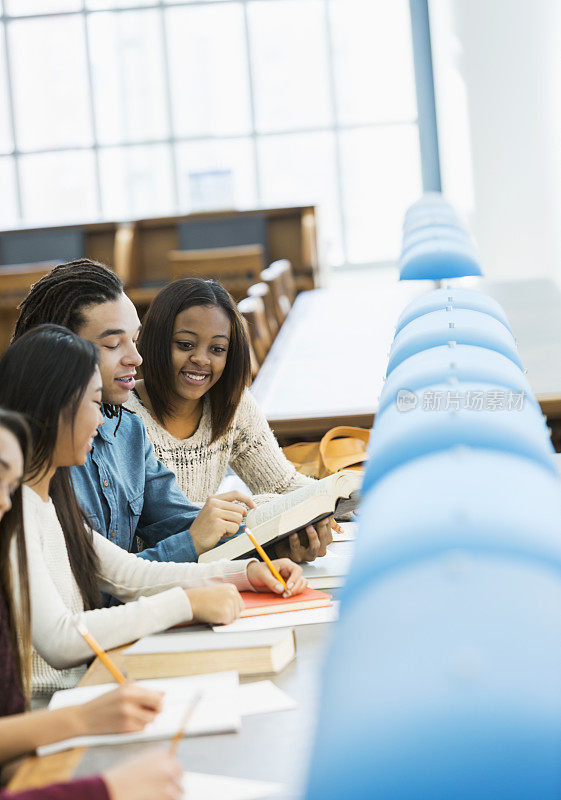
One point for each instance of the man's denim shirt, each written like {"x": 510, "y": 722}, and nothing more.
{"x": 126, "y": 492}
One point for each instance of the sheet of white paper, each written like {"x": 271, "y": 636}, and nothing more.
{"x": 326, "y": 583}
{"x": 339, "y": 549}
{"x": 261, "y": 697}
{"x": 287, "y": 619}
{"x": 328, "y": 566}
{"x": 197, "y": 786}
{"x": 216, "y": 712}
{"x": 348, "y": 535}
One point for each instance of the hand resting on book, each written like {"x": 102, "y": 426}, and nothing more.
{"x": 309, "y": 544}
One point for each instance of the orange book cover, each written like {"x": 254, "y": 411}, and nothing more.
{"x": 257, "y": 603}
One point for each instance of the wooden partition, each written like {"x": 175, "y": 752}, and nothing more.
{"x": 139, "y": 251}
{"x": 287, "y": 232}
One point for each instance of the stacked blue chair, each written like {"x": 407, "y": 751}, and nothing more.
{"x": 443, "y": 678}
{"x": 436, "y": 243}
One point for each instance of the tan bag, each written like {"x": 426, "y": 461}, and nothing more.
{"x": 342, "y": 447}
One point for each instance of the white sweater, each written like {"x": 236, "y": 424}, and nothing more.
{"x": 154, "y": 599}
{"x": 248, "y": 447}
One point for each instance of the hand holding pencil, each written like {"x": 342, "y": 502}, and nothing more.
{"x": 280, "y": 576}
{"x": 127, "y": 709}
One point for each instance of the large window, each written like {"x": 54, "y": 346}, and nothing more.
{"x": 117, "y": 109}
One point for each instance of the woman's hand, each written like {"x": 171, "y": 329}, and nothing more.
{"x": 319, "y": 538}
{"x": 263, "y": 580}
{"x": 127, "y": 709}
{"x": 217, "y": 604}
{"x": 153, "y": 775}
{"x": 221, "y": 515}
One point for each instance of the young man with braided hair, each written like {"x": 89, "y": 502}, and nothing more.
{"x": 123, "y": 489}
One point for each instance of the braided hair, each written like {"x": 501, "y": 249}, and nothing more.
{"x": 61, "y": 297}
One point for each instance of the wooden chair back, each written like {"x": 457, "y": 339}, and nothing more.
{"x": 263, "y": 290}
{"x": 284, "y": 267}
{"x": 252, "y": 310}
{"x": 275, "y": 277}
{"x": 252, "y": 356}
{"x": 235, "y": 267}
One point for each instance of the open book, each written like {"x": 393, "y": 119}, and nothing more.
{"x": 291, "y": 512}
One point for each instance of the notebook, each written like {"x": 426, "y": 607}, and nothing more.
{"x": 216, "y": 712}
{"x": 257, "y": 603}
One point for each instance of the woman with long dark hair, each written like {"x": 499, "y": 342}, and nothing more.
{"x": 196, "y": 406}
{"x": 51, "y": 376}
{"x": 127, "y": 708}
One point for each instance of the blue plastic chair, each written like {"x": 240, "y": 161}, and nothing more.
{"x": 401, "y": 436}
{"x": 451, "y": 298}
{"x": 426, "y": 233}
{"x": 438, "y": 260}
{"x": 452, "y": 364}
{"x": 444, "y": 221}
{"x": 467, "y": 498}
{"x": 443, "y": 681}
{"x": 461, "y": 325}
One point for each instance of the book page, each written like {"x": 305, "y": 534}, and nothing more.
{"x": 345, "y": 482}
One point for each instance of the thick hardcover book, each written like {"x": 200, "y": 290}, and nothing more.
{"x": 290, "y": 513}
{"x": 192, "y": 652}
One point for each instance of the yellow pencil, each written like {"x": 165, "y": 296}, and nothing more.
{"x": 265, "y": 558}
{"x": 100, "y": 653}
{"x": 174, "y": 744}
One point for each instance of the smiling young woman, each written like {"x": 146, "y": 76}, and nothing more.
{"x": 196, "y": 406}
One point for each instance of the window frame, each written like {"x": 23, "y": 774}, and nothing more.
{"x": 424, "y": 90}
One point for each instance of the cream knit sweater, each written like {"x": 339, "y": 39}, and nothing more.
{"x": 248, "y": 447}
{"x": 151, "y": 591}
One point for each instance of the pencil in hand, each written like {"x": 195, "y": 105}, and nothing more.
{"x": 100, "y": 652}
{"x": 266, "y": 559}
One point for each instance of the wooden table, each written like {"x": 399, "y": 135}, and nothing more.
{"x": 328, "y": 363}
{"x": 271, "y": 747}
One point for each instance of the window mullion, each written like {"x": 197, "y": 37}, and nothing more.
{"x": 95, "y": 147}
{"x": 251, "y": 85}
{"x": 169, "y": 109}
{"x": 12, "y": 113}
{"x": 336, "y": 128}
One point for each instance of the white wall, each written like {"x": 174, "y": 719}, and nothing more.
{"x": 498, "y": 93}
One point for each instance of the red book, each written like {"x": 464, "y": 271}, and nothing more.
{"x": 257, "y": 603}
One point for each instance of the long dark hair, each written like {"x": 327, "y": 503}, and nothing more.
{"x": 154, "y": 346}
{"x": 61, "y": 297}
{"x": 42, "y": 374}
{"x": 11, "y": 530}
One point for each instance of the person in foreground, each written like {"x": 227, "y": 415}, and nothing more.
{"x": 51, "y": 376}
{"x": 197, "y": 409}
{"x": 126, "y": 493}
{"x": 126, "y": 709}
